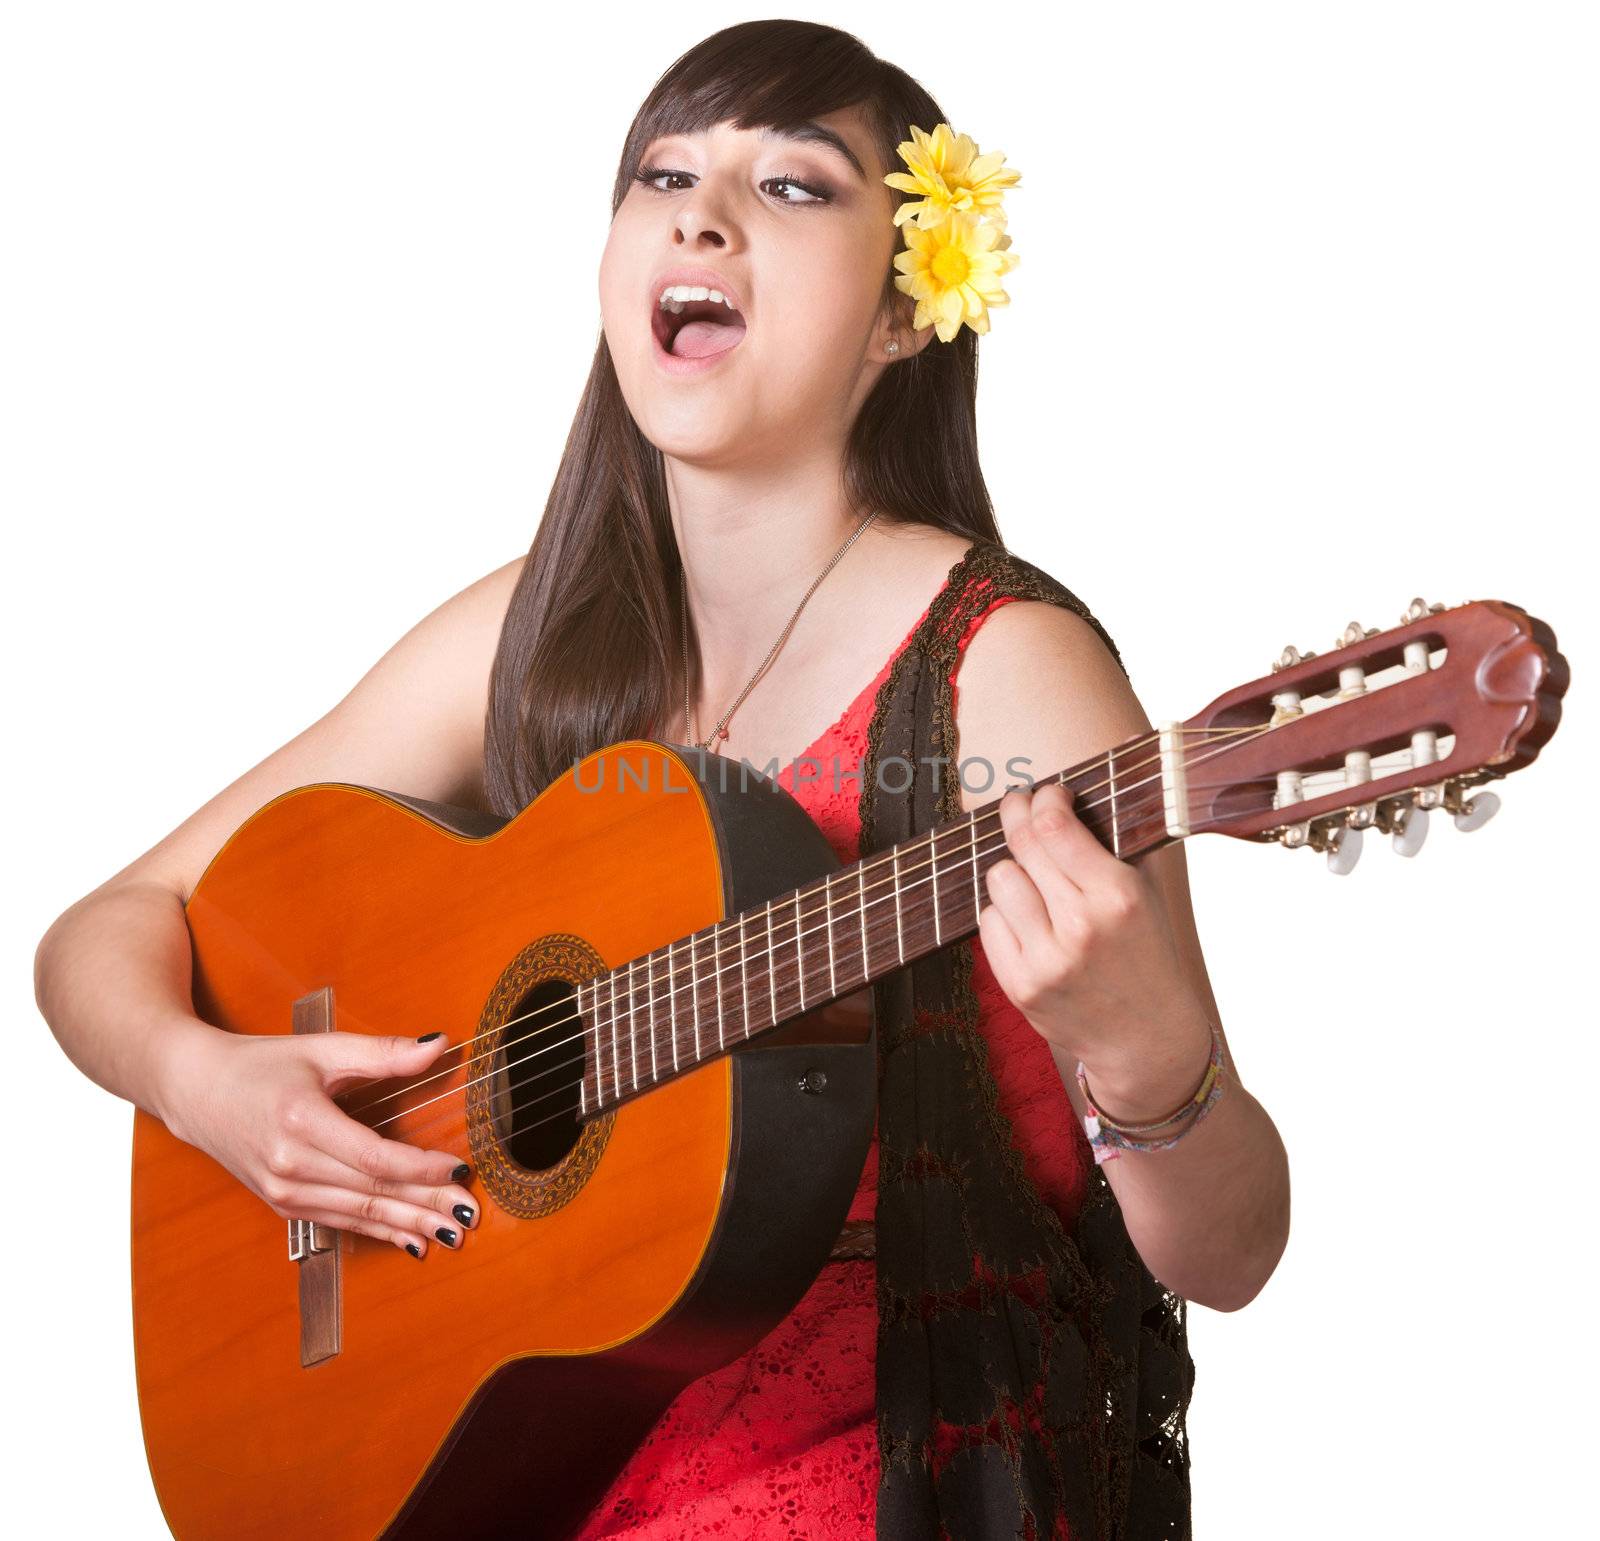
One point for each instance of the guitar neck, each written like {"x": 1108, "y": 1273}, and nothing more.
{"x": 667, "y": 1012}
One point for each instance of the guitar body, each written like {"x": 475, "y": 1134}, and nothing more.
{"x": 497, "y": 1389}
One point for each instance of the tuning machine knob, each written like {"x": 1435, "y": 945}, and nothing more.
{"x": 1339, "y": 839}
{"x": 1418, "y": 608}
{"x": 1405, "y": 821}
{"x": 1354, "y": 632}
{"x": 1344, "y": 849}
{"x": 1289, "y": 657}
{"x": 1472, "y": 813}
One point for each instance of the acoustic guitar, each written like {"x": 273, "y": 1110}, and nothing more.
{"x": 658, "y": 979}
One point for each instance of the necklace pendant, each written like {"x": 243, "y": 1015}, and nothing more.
{"x": 722, "y": 733}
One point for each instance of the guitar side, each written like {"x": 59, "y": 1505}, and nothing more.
{"x": 506, "y": 1384}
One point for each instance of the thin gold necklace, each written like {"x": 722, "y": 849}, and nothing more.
{"x": 721, "y": 729}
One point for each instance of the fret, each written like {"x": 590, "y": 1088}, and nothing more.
{"x": 694, "y": 992}
{"x": 933, "y": 873}
{"x": 633, "y": 1041}
{"x": 799, "y": 951}
{"x": 827, "y": 922}
{"x": 772, "y": 964}
{"x": 861, "y": 900}
{"x": 650, "y": 996}
{"x": 628, "y": 1028}
{"x": 672, "y": 1004}
{"x": 899, "y": 928}
{"x": 1116, "y": 822}
{"x": 583, "y": 1082}
{"x": 972, "y": 857}
{"x": 716, "y": 983}
{"x": 744, "y": 980}
{"x": 616, "y": 1059}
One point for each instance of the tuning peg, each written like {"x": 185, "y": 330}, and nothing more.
{"x": 1418, "y": 608}
{"x": 1289, "y": 657}
{"x": 1408, "y": 829}
{"x": 1475, "y": 812}
{"x": 1354, "y": 632}
{"x": 1344, "y": 850}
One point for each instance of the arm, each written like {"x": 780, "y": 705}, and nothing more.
{"x": 1103, "y": 958}
{"x": 112, "y": 974}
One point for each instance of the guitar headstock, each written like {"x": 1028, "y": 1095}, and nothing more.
{"x": 1384, "y": 727}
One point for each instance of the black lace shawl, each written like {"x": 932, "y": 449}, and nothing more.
{"x": 1031, "y": 1382}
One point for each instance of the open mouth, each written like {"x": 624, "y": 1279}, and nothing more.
{"x": 696, "y": 328}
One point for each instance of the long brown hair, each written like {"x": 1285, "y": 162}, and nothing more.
{"x": 590, "y": 634}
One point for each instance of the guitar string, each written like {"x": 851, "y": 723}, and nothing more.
{"x": 446, "y": 1115}
{"x": 569, "y": 1062}
{"x": 910, "y": 848}
{"x": 1089, "y": 765}
{"x": 454, "y": 1113}
{"x": 966, "y": 858}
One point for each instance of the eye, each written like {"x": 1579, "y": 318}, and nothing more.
{"x": 650, "y": 176}
{"x": 813, "y": 194}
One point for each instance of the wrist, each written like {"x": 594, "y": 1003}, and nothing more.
{"x": 1149, "y": 1084}
{"x": 181, "y": 1049}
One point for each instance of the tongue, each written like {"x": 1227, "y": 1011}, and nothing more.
{"x": 704, "y": 339}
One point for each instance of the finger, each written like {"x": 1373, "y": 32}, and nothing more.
{"x": 1000, "y": 945}
{"x": 411, "y": 1242}
{"x": 1028, "y": 846}
{"x": 399, "y": 1217}
{"x": 351, "y": 1142}
{"x": 1058, "y": 821}
{"x": 1014, "y": 894}
{"x": 1025, "y": 883}
{"x": 349, "y": 1058}
{"x": 308, "y": 1164}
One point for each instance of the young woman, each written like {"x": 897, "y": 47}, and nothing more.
{"x": 796, "y": 462}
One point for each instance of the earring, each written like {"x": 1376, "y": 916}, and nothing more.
{"x": 891, "y": 347}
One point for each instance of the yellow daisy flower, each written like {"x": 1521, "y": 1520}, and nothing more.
{"x": 953, "y": 272}
{"x": 951, "y": 176}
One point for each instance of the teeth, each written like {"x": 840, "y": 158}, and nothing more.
{"x": 676, "y": 296}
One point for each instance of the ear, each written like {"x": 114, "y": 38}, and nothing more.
{"x": 895, "y": 327}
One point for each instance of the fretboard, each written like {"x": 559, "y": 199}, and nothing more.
{"x": 671, "y": 1010}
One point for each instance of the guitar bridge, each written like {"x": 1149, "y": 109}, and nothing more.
{"x": 307, "y": 1239}
{"x": 314, "y": 1249}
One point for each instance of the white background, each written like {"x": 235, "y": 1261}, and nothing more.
{"x": 297, "y": 300}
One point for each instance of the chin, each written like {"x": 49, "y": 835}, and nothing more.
{"x": 694, "y": 445}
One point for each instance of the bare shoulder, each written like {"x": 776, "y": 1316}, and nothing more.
{"x": 413, "y": 723}
{"x": 1038, "y": 681}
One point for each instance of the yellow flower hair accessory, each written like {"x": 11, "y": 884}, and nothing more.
{"x": 951, "y": 176}
{"x": 956, "y": 247}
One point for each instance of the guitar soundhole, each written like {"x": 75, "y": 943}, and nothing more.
{"x": 539, "y": 1069}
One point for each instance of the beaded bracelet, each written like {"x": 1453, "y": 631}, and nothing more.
{"x": 1108, "y": 1139}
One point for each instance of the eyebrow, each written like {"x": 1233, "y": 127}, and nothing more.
{"x": 812, "y": 132}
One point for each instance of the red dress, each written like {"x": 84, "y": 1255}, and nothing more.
{"x": 783, "y": 1441}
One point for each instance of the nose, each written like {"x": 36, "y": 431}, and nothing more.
{"x": 706, "y": 217}
{"x": 694, "y": 227}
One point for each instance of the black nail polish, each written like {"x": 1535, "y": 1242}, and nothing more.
{"x": 463, "y": 1214}
{"x": 447, "y": 1236}
{"x": 429, "y": 1037}
{"x": 413, "y": 1249}
{"x": 461, "y": 1173}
